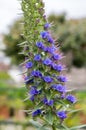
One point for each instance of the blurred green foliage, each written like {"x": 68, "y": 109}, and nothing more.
{"x": 3, "y": 84}
{"x": 11, "y": 40}
{"x": 70, "y": 34}
{"x": 4, "y": 75}
{"x": 13, "y": 97}
{"x": 10, "y": 95}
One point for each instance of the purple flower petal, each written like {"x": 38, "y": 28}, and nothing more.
{"x": 47, "y": 25}
{"x": 40, "y": 45}
{"x": 37, "y": 57}
{"x": 59, "y": 87}
{"x": 50, "y": 39}
{"x": 28, "y": 80}
{"x": 56, "y": 57}
{"x": 58, "y": 67}
{"x": 34, "y": 91}
{"x": 48, "y": 102}
{"x": 37, "y": 112}
{"x": 71, "y": 98}
{"x": 62, "y": 78}
{"x": 48, "y": 79}
{"x": 61, "y": 114}
{"x": 47, "y": 61}
{"x": 29, "y": 65}
{"x": 44, "y": 34}
{"x": 36, "y": 73}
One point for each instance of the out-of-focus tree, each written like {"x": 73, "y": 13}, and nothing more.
{"x": 11, "y": 40}
{"x": 57, "y": 18}
{"x": 72, "y": 34}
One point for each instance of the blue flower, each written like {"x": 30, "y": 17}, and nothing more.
{"x": 37, "y": 112}
{"x": 51, "y": 49}
{"x": 45, "y": 49}
{"x": 61, "y": 114}
{"x": 63, "y": 96}
{"x": 32, "y": 98}
{"x": 37, "y": 57}
{"x": 58, "y": 67}
{"x": 47, "y": 25}
{"x": 36, "y": 73}
{"x": 29, "y": 65}
{"x": 54, "y": 86}
{"x": 59, "y": 87}
{"x": 34, "y": 91}
{"x": 40, "y": 45}
{"x": 45, "y": 101}
{"x": 28, "y": 80}
{"x": 44, "y": 34}
{"x": 71, "y": 98}
{"x": 54, "y": 66}
{"x": 48, "y": 102}
{"x": 47, "y": 61}
{"x": 62, "y": 78}
{"x": 50, "y": 39}
{"x": 48, "y": 79}
{"x": 56, "y": 57}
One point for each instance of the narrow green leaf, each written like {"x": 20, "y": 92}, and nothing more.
{"x": 74, "y": 111}
{"x": 60, "y": 127}
{"x": 43, "y": 127}
{"x": 39, "y": 105}
{"x": 35, "y": 123}
{"x": 66, "y": 128}
{"x": 78, "y": 127}
{"x": 22, "y": 43}
{"x": 26, "y": 99}
{"x": 62, "y": 103}
{"x": 21, "y": 53}
{"x": 24, "y": 62}
{"x": 49, "y": 117}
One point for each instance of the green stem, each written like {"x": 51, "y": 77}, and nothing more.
{"x": 53, "y": 127}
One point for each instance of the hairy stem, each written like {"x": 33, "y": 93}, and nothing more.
{"x": 53, "y": 127}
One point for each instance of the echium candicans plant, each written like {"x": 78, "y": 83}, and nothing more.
{"x": 44, "y": 77}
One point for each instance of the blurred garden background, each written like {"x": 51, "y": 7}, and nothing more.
{"x": 69, "y": 28}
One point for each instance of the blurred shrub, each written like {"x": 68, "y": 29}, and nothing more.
{"x": 11, "y": 40}
{"x": 4, "y": 75}
{"x": 13, "y": 97}
{"x": 70, "y": 33}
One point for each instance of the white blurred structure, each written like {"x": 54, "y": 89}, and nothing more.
{"x": 3, "y": 58}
